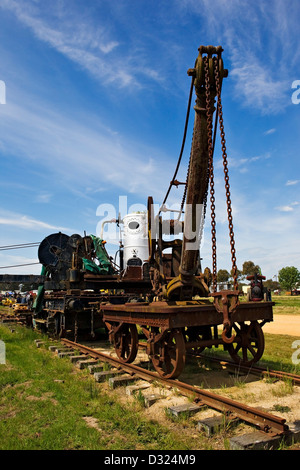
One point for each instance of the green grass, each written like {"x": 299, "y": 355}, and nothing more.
{"x": 278, "y": 353}
{"x": 286, "y": 305}
{"x": 45, "y": 405}
{"x": 287, "y": 300}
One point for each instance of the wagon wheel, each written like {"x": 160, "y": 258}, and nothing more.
{"x": 151, "y": 229}
{"x": 169, "y": 356}
{"x": 126, "y": 342}
{"x": 197, "y": 334}
{"x": 249, "y": 343}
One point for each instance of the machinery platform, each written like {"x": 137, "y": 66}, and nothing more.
{"x": 176, "y": 314}
{"x": 174, "y": 327}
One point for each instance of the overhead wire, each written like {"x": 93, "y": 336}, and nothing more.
{"x": 19, "y": 245}
{"x": 182, "y": 145}
{"x": 15, "y": 247}
{"x": 182, "y": 148}
{"x": 18, "y": 265}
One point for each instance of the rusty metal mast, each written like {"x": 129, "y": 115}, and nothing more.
{"x": 207, "y": 74}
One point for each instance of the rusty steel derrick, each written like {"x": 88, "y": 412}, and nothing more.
{"x": 207, "y": 77}
{"x": 168, "y": 297}
{"x": 181, "y": 317}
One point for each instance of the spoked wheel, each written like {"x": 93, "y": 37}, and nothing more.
{"x": 151, "y": 229}
{"x": 169, "y": 356}
{"x": 249, "y": 344}
{"x": 126, "y": 342}
{"x": 196, "y": 334}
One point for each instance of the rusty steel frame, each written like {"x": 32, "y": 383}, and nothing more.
{"x": 158, "y": 319}
{"x": 182, "y": 314}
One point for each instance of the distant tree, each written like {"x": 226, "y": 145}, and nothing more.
{"x": 270, "y": 284}
{"x": 249, "y": 268}
{"x": 223, "y": 275}
{"x": 289, "y": 277}
{"x": 239, "y": 274}
{"x": 9, "y": 286}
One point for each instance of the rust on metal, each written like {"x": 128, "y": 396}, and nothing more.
{"x": 171, "y": 328}
{"x": 229, "y": 303}
{"x": 185, "y": 309}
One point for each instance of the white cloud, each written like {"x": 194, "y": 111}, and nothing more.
{"x": 8, "y": 262}
{"x": 81, "y": 151}
{"x": 270, "y": 131}
{"x": 260, "y": 41}
{"x": 25, "y": 222}
{"x": 257, "y": 88}
{"x": 284, "y": 208}
{"x": 106, "y": 48}
{"x": 86, "y": 43}
{"x": 44, "y": 198}
{"x": 242, "y": 163}
{"x": 85, "y": 154}
{"x": 266, "y": 237}
{"x": 291, "y": 182}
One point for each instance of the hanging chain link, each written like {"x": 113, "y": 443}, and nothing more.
{"x": 210, "y": 177}
{"x": 225, "y": 165}
{"x": 211, "y": 173}
{"x": 185, "y": 188}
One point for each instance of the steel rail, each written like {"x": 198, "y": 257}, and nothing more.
{"x": 266, "y": 422}
{"x": 295, "y": 378}
{"x": 253, "y": 369}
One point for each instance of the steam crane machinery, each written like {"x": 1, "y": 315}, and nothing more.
{"x": 159, "y": 285}
{"x": 77, "y": 275}
{"x": 178, "y": 315}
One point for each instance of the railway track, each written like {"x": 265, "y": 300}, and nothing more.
{"x": 253, "y": 369}
{"x": 267, "y": 423}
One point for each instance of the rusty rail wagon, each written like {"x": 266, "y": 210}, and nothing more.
{"x": 182, "y": 317}
{"x": 159, "y": 288}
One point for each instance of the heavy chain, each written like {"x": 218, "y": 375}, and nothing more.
{"x": 225, "y": 165}
{"x": 211, "y": 173}
{"x": 185, "y": 188}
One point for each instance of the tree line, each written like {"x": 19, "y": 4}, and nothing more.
{"x": 288, "y": 277}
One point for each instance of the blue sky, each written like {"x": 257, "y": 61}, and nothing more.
{"x": 96, "y": 97}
